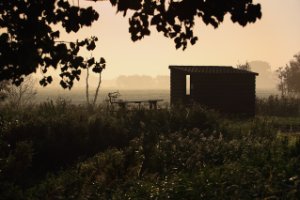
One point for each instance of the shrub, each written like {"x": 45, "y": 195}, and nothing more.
{"x": 276, "y": 106}
{"x": 185, "y": 165}
{"x": 63, "y": 151}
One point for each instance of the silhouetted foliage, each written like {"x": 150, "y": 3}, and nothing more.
{"x": 28, "y": 40}
{"x": 29, "y": 31}
{"x": 176, "y": 19}
{"x": 98, "y": 68}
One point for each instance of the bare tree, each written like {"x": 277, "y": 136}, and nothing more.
{"x": 18, "y": 96}
{"x": 87, "y": 85}
{"x": 282, "y": 85}
{"x": 3, "y": 90}
{"x": 97, "y": 89}
{"x": 289, "y": 77}
{"x": 97, "y": 68}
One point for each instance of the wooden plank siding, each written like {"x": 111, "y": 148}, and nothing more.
{"x": 232, "y": 93}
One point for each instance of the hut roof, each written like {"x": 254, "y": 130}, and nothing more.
{"x": 211, "y": 69}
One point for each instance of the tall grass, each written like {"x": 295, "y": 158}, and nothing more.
{"x": 57, "y": 150}
{"x": 278, "y": 106}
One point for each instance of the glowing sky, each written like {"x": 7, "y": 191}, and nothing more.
{"x": 274, "y": 39}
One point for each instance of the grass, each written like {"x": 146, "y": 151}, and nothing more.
{"x": 57, "y": 150}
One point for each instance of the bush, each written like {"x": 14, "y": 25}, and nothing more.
{"x": 276, "y": 106}
{"x": 62, "y": 151}
{"x": 184, "y": 165}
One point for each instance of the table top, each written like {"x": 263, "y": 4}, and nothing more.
{"x": 138, "y": 101}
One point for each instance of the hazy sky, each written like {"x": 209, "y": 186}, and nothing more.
{"x": 274, "y": 39}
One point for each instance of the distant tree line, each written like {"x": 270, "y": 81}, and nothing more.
{"x": 245, "y": 66}
{"x": 143, "y": 82}
{"x": 289, "y": 77}
{"x": 266, "y": 79}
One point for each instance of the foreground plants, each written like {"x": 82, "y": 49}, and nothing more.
{"x": 61, "y": 151}
{"x": 183, "y": 165}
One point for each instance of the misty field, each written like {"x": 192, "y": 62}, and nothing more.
{"x": 59, "y": 150}
{"x": 78, "y": 96}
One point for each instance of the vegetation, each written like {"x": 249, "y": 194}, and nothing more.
{"x": 29, "y": 40}
{"x": 30, "y": 31}
{"x": 57, "y": 150}
{"x": 278, "y": 106}
{"x": 289, "y": 84}
{"x": 176, "y": 19}
{"x": 62, "y": 151}
{"x": 18, "y": 96}
{"x": 245, "y": 66}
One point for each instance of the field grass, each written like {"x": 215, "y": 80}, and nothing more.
{"x": 58, "y": 150}
{"x": 77, "y": 96}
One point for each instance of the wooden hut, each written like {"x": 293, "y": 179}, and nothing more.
{"x": 223, "y": 88}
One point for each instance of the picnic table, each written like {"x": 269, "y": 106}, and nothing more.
{"x": 151, "y": 102}
{"x": 113, "y": 99}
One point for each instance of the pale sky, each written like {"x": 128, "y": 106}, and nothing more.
{"x": 274, "y": 39}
